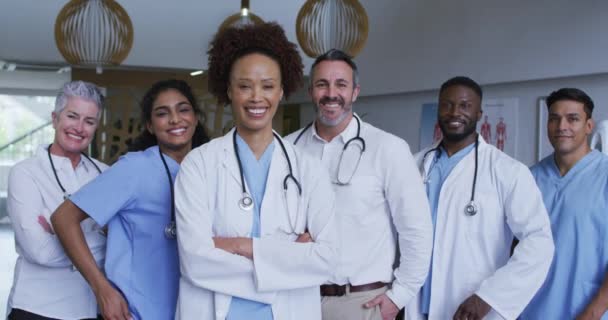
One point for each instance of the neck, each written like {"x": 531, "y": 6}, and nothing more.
{"x": 565, "y": 162}
{"x": 59, "y": 151}
{"x": 257, "y": 140}
{"x": 328, "y": 133}
{"x": 452, "y": 147}
{"x": 176, "y": 154}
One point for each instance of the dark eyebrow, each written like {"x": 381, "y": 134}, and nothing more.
{"x": 160, "y": 107}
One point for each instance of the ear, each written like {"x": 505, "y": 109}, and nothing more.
{"x": 149, "y": 127}
{"x": 356, "y": 91}
{"x": 55, "y": 118}
{"x": 228, "y": 93}
{"x": 589, "y": 125}
{"x": 282, "y": 94}
{"x": 479, "y": 114}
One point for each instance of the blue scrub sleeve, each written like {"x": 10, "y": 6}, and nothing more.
{"x": 110, "y": 192}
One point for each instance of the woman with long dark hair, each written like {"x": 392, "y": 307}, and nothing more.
{"x": 134, "y": 198}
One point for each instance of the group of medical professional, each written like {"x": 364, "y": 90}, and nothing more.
{"x": 337, "y": 221}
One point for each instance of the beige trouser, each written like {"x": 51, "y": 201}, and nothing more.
{"x": 350, "y": 306}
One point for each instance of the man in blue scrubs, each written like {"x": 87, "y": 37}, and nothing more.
{"x": 574, "y": 184}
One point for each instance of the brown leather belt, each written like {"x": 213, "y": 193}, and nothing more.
{"x": 334, "y": 290}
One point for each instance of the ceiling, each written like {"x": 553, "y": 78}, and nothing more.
{"x": 167, "y": 34}
{"x": 413, "y": 45}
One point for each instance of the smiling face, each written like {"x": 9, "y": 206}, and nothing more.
{"x": 172, "y": 121}
{"x": 568, "y": 128}
{"x": 255, "y": 92}
{"x": 75, "y": 126}
{"x": 459, "y": 111}
{"x": 333, "y": 92}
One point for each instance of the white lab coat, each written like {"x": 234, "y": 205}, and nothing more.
{"x": 471, "y": 253}
{"x": 283, "y": 273}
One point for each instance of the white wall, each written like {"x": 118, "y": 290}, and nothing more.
{"x": 400, "y": 114}
{"x": 414, "y": 45}
{"x": 32, "y": 82}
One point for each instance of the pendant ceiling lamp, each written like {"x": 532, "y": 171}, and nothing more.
{"x": 332, "y": 24}
{"x": 244, "y": 17}
{"x": 95, "y": 33}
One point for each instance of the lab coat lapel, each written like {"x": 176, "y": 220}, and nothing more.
{"x": 278, "y": 169}
{"x": 230, "y": 162}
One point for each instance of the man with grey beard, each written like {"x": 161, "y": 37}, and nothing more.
{"x": 380, "y": 200}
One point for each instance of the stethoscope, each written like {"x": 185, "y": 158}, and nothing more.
{"x": 65, "y": 194}
{"x": 471, "y": 208}
{"x": 246, "y": 201}
{"x": 357, "y": 138}
{"x": 170, "y": 229}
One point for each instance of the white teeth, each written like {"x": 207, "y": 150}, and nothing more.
{"x": 333, "y": 105}
{"x": 177, "y": 131}
{"x": 75, "y": 136}
{"x": 256, "y": 111}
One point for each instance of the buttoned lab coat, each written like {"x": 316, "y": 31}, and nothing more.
{"x": 471, "y": 253}
{"x": 283, "y": 273}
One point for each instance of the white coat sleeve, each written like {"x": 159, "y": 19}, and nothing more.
{"x": 410, "y": 211}
{"x": 511, "y": 287}
{"x": 284, "y": 264}
{"x": 201, "y": 263}
{"x": 25, "y": 206}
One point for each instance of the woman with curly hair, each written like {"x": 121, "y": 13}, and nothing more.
{"x": 134, "y": 199}
{"x": 254, "y": 216}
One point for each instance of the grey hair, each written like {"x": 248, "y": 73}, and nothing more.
{"x": 335, "y": 55}
{"x": 79, "y": 89}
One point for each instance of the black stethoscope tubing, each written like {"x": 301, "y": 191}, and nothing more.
{"x": 170, "y": 229}
{"x": 356, "y": 138}
{"x": 471, "y": 208}
{"x": 246, "y": 202}
{"x": 48, "y": 151}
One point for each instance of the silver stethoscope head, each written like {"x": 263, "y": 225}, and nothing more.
{"x": 171, "y": 230}
{"x": 246, "y": 202}
{"x": 470, "y": 209}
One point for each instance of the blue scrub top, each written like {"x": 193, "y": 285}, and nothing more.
{"x": 439, "y": 171}
{"x": 577, "y": 204}
{"x": 256, "y": 173}
{"x": 134, "y": 198}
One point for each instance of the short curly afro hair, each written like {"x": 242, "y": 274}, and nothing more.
{"x": 233, "y": 43}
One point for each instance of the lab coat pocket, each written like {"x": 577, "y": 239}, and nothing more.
{"x": 365, "y": 192}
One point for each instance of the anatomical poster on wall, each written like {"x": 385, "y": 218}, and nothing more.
{"x": 498, "y": 124}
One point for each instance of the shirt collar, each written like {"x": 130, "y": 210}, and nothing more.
{"x": 348, "y": 133}
{"x": 63, "y": 163}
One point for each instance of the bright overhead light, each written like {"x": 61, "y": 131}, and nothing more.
{"x": 11, "y": 67}
{"x": 196, "y": 73}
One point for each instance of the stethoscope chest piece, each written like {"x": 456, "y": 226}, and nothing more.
{"x": 171, "y": 231}
{"x": 470, "y": 209}
{"x": 246, "y": 202}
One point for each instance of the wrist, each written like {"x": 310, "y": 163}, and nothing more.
{"x": 98, "y": 283}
